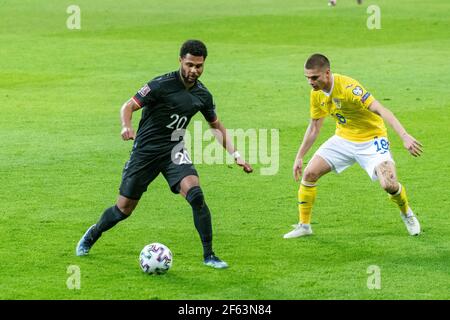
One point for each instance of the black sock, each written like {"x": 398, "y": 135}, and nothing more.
{"x": 109, "y": 219}
{"x": 202, "y": 218}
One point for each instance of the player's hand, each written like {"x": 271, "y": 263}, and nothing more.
{"x": 412, "y": 145}
{"x": 297, "y": 169}
{"x": 128, "y": 133}
{"x": 245, "y": 165}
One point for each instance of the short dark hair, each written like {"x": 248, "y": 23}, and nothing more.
{"x": 194, "y": 47}
{"x": 317, "y": 60}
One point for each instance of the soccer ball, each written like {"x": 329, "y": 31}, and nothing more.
{"x": 155, "y": 258}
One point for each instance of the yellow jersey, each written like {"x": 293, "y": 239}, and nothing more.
{"x": 348, "y": 104}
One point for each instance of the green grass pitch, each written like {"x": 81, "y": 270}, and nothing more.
{"x": 61, "y": 154}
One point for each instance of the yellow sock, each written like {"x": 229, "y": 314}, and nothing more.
{"x": 400, "y": 199}
{"x": 306, "y": 196}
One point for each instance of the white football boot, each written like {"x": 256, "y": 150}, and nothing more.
{"x": 411, "y": 223}
{"x": 300, "y": 230}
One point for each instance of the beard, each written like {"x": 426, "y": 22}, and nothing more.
{"x": 187, "y": 78}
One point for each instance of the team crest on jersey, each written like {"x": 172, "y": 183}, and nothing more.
{"x": 144, "y": 90}
{"x": 357, "y": 91}
{"x": 337, "y": 102}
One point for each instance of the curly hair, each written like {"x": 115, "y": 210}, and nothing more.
{"x": 195, "y": 48}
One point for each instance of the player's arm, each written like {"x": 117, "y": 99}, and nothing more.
{"x": 126, "y": 113}
{"x": 311, "y": 134}
{"x": 220, "y": 132}
{"x": 409, "y": 142}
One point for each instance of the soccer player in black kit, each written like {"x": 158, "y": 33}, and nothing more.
{"x": 168, "y": 102}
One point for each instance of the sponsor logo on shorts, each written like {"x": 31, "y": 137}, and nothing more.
{"x": 144, "y": 90}
{"x": 357, "y": 91}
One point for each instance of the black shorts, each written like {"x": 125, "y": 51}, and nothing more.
{"x": 142, "y": 169}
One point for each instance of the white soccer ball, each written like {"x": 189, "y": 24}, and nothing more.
{"x": 155, "y": 258}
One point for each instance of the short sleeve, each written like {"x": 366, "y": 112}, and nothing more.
{"x": 314, "y": 108}
{"x": 359, "y": 95}
{"x": 209, "y": 110}
{"x": 148, "y": 94}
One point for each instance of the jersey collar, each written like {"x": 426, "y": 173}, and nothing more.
{"x": 332, "y": 87}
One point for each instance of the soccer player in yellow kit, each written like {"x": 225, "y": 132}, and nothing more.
{"x": 360, "y": 137}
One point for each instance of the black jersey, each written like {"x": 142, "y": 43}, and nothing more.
{"x": 167, "y": 110}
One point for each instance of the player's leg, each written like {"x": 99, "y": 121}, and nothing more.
{"x": 183, "y": 178}
{"x": 307, "y": 192}
{"x": 113, "y": 215}
{"x": 110, "y": 217}
{"x": 335, "y": 154}
{"x": 375, "y": 157}
{"x": 387, "y": 176}
{"x": 137, "y": 175}
{"x": 191, "y": 190}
